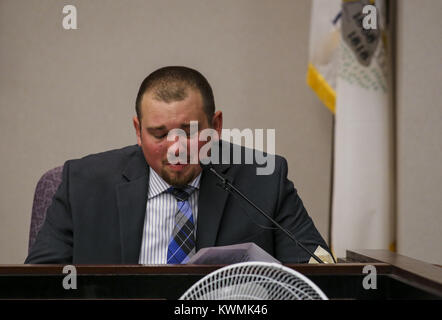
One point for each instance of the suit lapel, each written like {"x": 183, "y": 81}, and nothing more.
{"x": 131, "y": 200}
{"x": 211, "y": 203}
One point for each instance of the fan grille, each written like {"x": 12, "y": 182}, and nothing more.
{"x": 254, "y": 281}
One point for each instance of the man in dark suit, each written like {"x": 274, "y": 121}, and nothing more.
{"x": 121, "y": 206}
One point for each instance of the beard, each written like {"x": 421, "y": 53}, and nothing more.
{"x": 180, "y": 179}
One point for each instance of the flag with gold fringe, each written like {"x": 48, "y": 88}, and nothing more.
{"x": 350, "y": 72}
{"x": 324, "y": 43}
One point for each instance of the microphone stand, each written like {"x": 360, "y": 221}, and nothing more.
{"x": 229, "y": 187}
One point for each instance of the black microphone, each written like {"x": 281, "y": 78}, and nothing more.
{"x": 229, "y": 187}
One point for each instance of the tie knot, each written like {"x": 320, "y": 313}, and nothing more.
{"x": 182, "y": 194}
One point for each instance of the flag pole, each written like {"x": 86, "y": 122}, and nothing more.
{"x": 332, "y": 168}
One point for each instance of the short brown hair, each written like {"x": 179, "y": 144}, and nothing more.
{"x": 171, "y": 84}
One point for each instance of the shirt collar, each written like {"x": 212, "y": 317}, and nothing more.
{"x": 157, "y": 185}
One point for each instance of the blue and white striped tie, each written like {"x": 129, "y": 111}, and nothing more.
{"x": 182, "y": 243}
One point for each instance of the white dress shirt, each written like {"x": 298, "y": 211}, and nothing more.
{"x": 159, "y": 221}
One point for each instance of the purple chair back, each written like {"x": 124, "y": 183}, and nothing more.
{"x": 44, "y": 192}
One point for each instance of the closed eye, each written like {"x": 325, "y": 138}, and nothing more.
{"x": 160, "y": 136}
{"x": 157, "y": 133}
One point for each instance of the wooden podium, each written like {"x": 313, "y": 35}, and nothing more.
{"x": 397, "y": 277}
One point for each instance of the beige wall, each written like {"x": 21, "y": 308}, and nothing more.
{"x": 419, "y": 129}
{"x": 65, "y": 94}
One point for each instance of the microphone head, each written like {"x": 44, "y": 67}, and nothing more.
{"x": 205, "y": 166}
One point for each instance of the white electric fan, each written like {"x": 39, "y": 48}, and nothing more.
{"x": 254, "y": 281}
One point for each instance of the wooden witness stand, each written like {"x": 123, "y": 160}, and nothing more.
{"x": 397, "y": 277}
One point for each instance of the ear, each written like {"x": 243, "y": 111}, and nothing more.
{"x": 137, "y": 127}
{"x": 217, "y": 122}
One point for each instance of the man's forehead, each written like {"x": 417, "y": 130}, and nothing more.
{"x": 162, "y": 116}
{"x": 183, "y": 125}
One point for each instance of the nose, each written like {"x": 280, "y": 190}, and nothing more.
{"x": 177, "y": 146}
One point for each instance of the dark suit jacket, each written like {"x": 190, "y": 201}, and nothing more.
{"x": 97, "y": 214}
